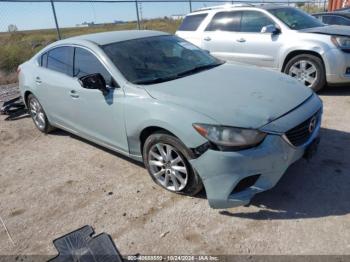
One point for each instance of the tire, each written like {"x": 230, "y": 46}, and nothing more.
{"x": 158, "y": 162}
{"x": 305, "y": 74}
{"x": 38, "y": 115}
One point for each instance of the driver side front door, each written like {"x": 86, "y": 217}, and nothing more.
{"x": 100, "y": 117}
{"x": 255, "y": 47}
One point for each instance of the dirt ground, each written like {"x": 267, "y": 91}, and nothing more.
{"x": 53, "y": 184}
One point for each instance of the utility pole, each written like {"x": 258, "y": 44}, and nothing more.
{"x": 137, "y": 14}
{"x": 190, "y": 2}
{"x": 55, "y": 17}
{"x": 141, "y": 17}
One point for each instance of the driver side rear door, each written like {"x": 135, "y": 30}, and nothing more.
{"x": 221, "y": 35}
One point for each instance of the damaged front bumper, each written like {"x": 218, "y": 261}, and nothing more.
{"x": 232, "y": 178}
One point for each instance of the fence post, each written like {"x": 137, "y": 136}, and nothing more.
{"x": 190, "y": 2}
{"x": 137, "y": 14}
{"x": 55, "y": 17}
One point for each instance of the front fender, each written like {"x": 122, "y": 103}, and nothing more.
{"x": 316, "y": 46}
{"x": 141, "y": 113}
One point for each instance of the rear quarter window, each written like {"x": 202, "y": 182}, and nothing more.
{"x": 192, "y": 22}
{"x": 43, "y": 60}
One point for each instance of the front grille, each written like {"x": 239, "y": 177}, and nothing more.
{"x": 300, "y": 134}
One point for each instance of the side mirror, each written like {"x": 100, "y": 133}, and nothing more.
{"x": 94, "y": 81}
{"x": 271, "y": 29}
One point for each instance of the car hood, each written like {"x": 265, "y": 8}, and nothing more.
{"x": 329, "y": 30}
{"x": 234, "y": 95}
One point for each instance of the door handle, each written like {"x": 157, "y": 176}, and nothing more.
{"x": 38, "y": 80}
{"x": 74, "y": 94}
{"x": 241, "y": 40}
{"x": 207, "y": 38}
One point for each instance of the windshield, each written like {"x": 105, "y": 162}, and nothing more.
{"x": 295, "y": 18}
{"x": 158, "y": 59}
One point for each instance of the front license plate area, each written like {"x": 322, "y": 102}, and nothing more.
{"x": 311, "y": 149}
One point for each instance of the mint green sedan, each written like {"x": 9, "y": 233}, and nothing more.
{"x": 195, "y": 121}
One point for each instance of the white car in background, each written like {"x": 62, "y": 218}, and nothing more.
{"x": 279, "y": 37}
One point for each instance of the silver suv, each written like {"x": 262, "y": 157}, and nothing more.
{"x": 279, "y": 37}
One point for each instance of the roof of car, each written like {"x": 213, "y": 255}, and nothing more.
{"x": 268, "y": 6}
{"x": 117, "y": 36}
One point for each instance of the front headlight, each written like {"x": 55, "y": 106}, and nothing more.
{"x": 342, "y": 42}
{"x": 233, "y": 137}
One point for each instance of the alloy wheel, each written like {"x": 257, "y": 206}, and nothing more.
{"x": 305, "y": 71}
{"x": 37, "y": 113}
{"x": 168, "y": 167}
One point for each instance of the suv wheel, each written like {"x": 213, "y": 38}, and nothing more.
{"x": 308, "y": 69}
{"x": 166, "y": 159}
{"x": 38, "y": 115}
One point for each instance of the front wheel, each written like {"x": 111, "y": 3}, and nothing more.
{"x": 308, "y": 69}
{"x": 166, "y": 159}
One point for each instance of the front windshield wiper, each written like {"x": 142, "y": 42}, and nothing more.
{"x": 155, "y": 80}
{"x": 179, "y": 75}
{"x": 198, "y": 69}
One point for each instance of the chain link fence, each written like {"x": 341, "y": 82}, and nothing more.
{"x": 26, "y": 26}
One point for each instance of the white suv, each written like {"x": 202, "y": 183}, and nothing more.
{"x": 279, "y": 37}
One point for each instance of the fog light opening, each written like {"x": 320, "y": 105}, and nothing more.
{"x": 245, "y": 183}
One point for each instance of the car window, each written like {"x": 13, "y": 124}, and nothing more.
{"x": 329, "y": 20}
{"x": 318, "y": 17}
{"x": 86, "y": 63}
{"x": 192, "y": 22}
{"x": 294, "y": 18}
{"x": 60, "y": 59}
{"x": 254, "y": 21}
{"x": 225, "y": 21}
{"x": 43, "y": 60}
{"x": 335, "y": 20}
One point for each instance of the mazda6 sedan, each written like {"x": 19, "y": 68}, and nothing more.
{"x": 195, "y": 121}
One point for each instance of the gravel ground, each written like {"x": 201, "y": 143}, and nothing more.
{"x": 7, "y": 92}
{"x": 53, "y": 184}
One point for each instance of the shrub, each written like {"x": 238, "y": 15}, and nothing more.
{"x": 17, "y": 47}
{"x": 11, "y": 56}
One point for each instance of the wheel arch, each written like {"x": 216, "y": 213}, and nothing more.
{"x": 25, "y": 97}
{"x": 147, "y": 131}
{"x": 294, "y": 53}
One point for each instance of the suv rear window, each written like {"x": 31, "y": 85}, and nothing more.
{"x": 192, "y": 22}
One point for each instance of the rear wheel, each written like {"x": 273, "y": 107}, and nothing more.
{"x": 38, "y": 114}
{"x": 308, "y": 69}
{"x": 166, "y": 159}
